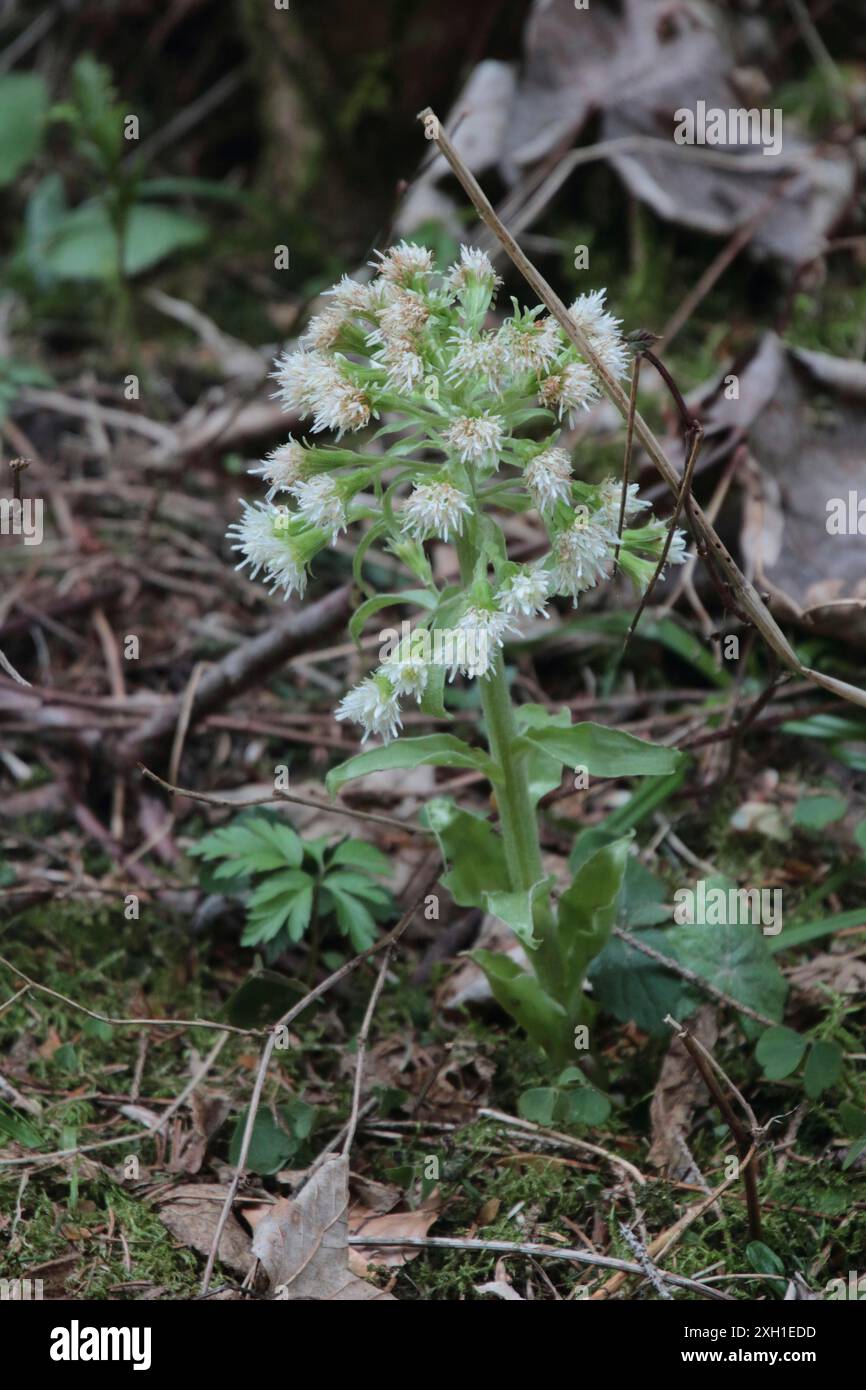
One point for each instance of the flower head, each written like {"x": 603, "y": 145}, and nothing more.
{"x": 282, "y": 468}
{"x": 435, "y": 509}
{"x": 476, "y": 438}
{"x": 602, "y": 331}
{"x": 401, "y": 264}
{"x": 526, "y": 593}
{"x": 480, "y": 633}
{"x": 531, "y": 343}
{"x": 320, "y": 503}
{"x": 407, "y": 669}
{"x": 480, "y": 357}
{"x": 548, "y": 478}
{"x": 474, "y": 268}
{"x": 582, "y": 555}
{"x": 610, "y": 500}
{"x": 374, "y": 705}
{"x": 261, "y": 537}
{"x": 568, "y": 389}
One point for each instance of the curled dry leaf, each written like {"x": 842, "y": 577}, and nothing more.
{"x": 363, "y": 1222}
{"x": 303, "y": 1244}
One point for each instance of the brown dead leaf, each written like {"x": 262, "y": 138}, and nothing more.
{"x": 303, "y": 1246}
{"x": 679, "y": 1090}
{"x": 845, "y": 974}
{"x": 192, "y": 1212}
{"x": 363, "y": 1222}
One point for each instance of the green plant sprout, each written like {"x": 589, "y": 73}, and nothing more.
{"x": 289, "y": 883}
{"x": 471, "y": 418}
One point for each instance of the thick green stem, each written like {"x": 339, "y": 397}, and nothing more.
{"x": 516, "y": 813}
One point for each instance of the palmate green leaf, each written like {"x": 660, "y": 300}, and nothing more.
{"x": 358, "y": 885}
{"x": 602, "y": 751}
{"x": 436, "y": 750}
{"x": 362, "y": 855}
{"x": 473, "y": 851}
{"x": 816, "y": 812}
{"x": 586, "y": 913}
{"x": 353, "y": 918}
{"x": 251, "y": 846}
{"x": 780, "y": 1052}
{"x": 520, "y": 995}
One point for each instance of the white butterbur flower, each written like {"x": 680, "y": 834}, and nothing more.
{"x": 260, "y": 537}
{"x": 320, "y": 504}
{"x": 602, "y": 329}
{"x": 479, "y": 635}
{"x": 481, "y": 357}
{"x": 677, "y": 553}
{"x": 532, "y": 344}
{"x": 339, "y": 405}
{"x": 581, "y": 556}
{"x": 299, "y": 376}
{"x": 323, "y": 330}
{"x": 282, "y": 468}
{"x": 374, "y": 705}
{"x": 610, "y": 499}
{"x": 569, "y": 389}
{"x": 526, "y": 593}
{"x": 474, "y": 266}
{"x": 314, "y": 383}
{"x": 475, "y": 438}
{"x": 435, "y": 509}
{"x": 407, "y": 670}
{"x": 548, "y": 478}
{"x": 350, "y": 295}
{"x": 402, "y": 263}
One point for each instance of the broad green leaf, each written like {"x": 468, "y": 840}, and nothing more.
{"x": 538, "y": 1104}
{"x": 635, "y": 989}
{"x": 437, "y": 750}
{"x": 586, "y": 913}
{"x": 602, "y": 751}
{"x": 473, "y": 851}
{"x": 853, "y": 1119}
{"x": 515, "y": 909}
{"x": 582, "y": 1106}
{"x": 736, "y": 960}
{"x": 84, "y": 244}
{"x": 261, "y": 999}
{"x": 814, "y": 812}
{"x": 860, "y": 835}
{"x": 363, "y": 856}
{"x": 762, "y": 1259}
{"x": 823, "y": 1068}
{"x": 854, "y": 1152}
{"x": 271, "y": 1146}
{"x": 23, "y": 104}
{"x": 780, "y": 1052}
{"x": 519, "y": 994}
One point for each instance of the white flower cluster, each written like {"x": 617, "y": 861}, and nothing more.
{"x": 462, "y": 397}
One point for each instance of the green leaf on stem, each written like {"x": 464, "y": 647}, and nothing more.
{"x": 437, "y": 750}
{"x": 473, "y": 851}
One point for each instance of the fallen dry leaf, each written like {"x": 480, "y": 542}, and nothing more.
{"x": 192, "y": 1212}
{"x": 363, "y": 1222}
{"x": 303, "y": 1245}
{"x": 678, "y": 1091}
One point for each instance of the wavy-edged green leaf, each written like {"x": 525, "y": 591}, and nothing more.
{"x": 472, "y": 850}
{"x": 516, "y": 909}
{"x": 542, "y": 772}
{"x": 586, "y": 913}
{"x": 520, "y": 995}
{"x": 436, "y": 750}
{"x": 736, "y": 960}
{"x": 604, "y": 752}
